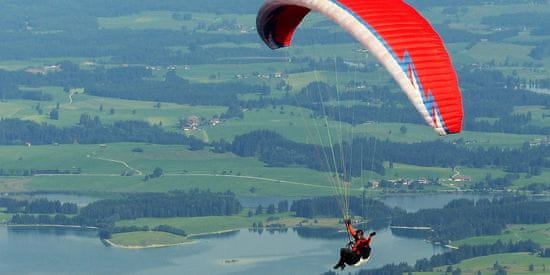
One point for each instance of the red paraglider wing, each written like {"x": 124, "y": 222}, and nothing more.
{"x": 397, "y": 35}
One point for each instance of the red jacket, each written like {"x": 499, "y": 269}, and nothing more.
{"x": 359, "y": 243}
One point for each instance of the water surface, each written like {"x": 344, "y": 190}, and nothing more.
{"x": 75, "y": 251}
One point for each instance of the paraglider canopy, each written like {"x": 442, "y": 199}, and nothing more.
{"x": 397, "y": 35}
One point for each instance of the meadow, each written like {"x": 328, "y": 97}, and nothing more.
{"x": 121, "y": 167}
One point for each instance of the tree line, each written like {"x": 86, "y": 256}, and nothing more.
{"x": 465, "y": 218}
{"x": 161, "y": 205}
{"x": 330, "y": 207}
{"x": 275, "y": 150}
{"x": 18, "y": 172}
{"x": 90, "y": 130}
{"x": 104, "y": 213}
{"x": 39, "y": 206}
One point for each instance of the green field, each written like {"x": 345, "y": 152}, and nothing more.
{"x": 540, "y": 114}
{"x": 146, "y": 239}
{"x": 101, "y": 169}
{"x": 539, "y": 233}
{"x": 116, "y": 168}
{"x": 70, "y": 111}
{"x": 292, "y": 122}
{"x": 163, "y": 20}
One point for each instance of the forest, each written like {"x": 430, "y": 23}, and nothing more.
{"x": 40, "y": 206}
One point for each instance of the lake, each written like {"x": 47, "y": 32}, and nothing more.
{"x": 49, "y": 251}
{"x": 75, "y": 251}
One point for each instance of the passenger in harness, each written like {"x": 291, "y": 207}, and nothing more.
{"x": 359, "y": 251}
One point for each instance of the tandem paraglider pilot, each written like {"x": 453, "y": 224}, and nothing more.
{"x": 358, "y": 251}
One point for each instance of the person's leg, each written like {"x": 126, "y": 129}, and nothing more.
{"x": 344, "y": 252}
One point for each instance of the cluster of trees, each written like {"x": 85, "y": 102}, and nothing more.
{"x": 39, "y": 206}
{"x": 89, "y": 131}
{"x": 495, "y": 184}
{"x": 465, "y": 218}
{"x": 162, "y": 205}
{"x": 59, "y": 219}
{"x": 157, "y": 173}
{"x": 401, "y": 184}
{"x": 11, "y": 172}
{"x": 282, "y": 207}
{"x": 277, "y": 151}
{"x": 174, "y": 89}
{"x": 330, "y": 207}
{"x": 104, "y": 213}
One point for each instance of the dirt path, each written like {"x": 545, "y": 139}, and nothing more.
{"x": 71, "y": 96}
{"x": 123, "y": 163}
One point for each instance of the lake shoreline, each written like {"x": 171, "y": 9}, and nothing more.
{"x": 50, "y": 225}
{"x": 189, "y": 238}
